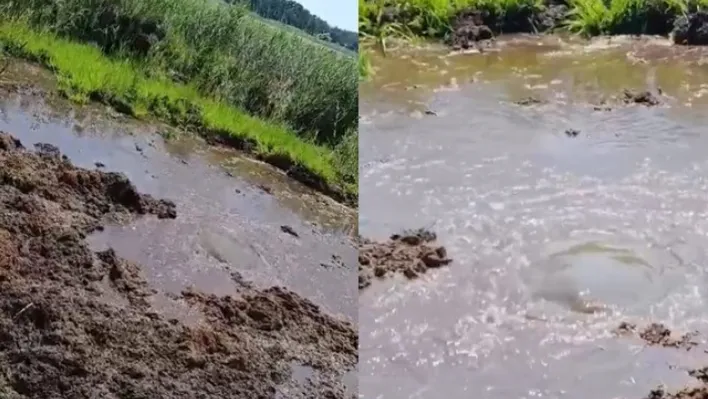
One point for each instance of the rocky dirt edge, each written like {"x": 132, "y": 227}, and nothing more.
{"x": 411, "y": 253}
{"x": 78, "y": 324}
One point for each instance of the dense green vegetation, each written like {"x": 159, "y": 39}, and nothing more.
{"x": 206, "y": 64}
{"x": 365, "y": 68}
{"x": 294, "y": 14}
{"x": 381, "y": 19}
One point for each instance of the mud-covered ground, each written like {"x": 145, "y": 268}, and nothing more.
{"x": 77, "y": 324}
{"x": 410, "y": 253}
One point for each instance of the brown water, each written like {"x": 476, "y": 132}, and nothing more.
{"x": 230, "y": 209}
{"x": 555, "y": 239}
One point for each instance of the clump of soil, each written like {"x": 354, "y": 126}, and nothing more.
{"x": 410, "y": 253}
{"x": 472, "y": 26}
{"x": 640, "y": 97}
{"x": 529, "y": 101}
{"x": 657, "y": 334}
{"x": 691, "y": 29}
{"x": 78, "y": 324}
{"x": 468, "y": 29}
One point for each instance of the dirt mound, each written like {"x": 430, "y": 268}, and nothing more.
{"x": 691, "y": 29}
{"x": 658, "y": 334}
{"x": 77, "y": 324}
{"x": 468, "y": 29}
{"x": 472, "y": 26}
{"x": 410, "y": 253}
{"x": 640, "y": 97}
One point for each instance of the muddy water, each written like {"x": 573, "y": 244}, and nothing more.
{"x": 230, "y": 209}
{"x": 555, "y": 239}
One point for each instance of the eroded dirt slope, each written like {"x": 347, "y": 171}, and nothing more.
{"x": 78, "y": 324}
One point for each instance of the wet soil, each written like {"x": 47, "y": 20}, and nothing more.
{"x": 78, "y": 323}
{"x": 410, "y": 253}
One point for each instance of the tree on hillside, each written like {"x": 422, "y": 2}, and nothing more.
{"x": 292, "y": 13}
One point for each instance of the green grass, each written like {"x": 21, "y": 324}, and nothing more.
{"x": 432, "y": 18}
{"x": 608, "y": 17}
{"x": 365, "y": 68}
{"x": 221, "y": 50}
{"x": 84, "y": 72}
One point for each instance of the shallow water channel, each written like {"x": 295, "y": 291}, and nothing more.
{"x": 555, "y": 239}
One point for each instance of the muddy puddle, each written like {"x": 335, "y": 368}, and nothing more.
{"x": 556, "y": 237}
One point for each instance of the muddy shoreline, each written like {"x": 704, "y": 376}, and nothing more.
{"x": 477, "y": 27}
{"x": 78, "y": 323}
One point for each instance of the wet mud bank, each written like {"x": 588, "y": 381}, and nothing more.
{"x": 79, "y": 323}
{"x": 411, "y": 254}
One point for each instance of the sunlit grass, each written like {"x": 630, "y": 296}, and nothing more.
{"x": 223, "y": 51}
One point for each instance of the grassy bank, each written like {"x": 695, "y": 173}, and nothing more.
{"x": 84, "y": 72}
{"x": 433, "y": 18}
{"x": 221, "y": 50}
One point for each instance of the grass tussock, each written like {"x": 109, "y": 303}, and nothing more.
{"x": 220, "y": 49}
{"x": 84, "y": 72}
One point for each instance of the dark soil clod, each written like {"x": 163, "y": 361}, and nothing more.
{"x": 468, "y": 29}
{"x": 63, "y": 336}
{"x": 691, "y": 29}
{"x": 529, "y": 101}
{"x": 410, "y": 253}
{"x": 572, "y": 133}
{"x": 289, "y": 230}
{"x": 640, "y": 97}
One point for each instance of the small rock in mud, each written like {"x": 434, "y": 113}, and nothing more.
{"x": 572, "y": 132}
{"x": 468, "y": 29}
{"x": 691, "y": 29}
{"x": 410, "y": 253}
{"x": 430, "y": 112}
{"x": 100, "y": 164}
{"x": 265, "y": 189}
{"x": 289, "y": 230}
{"x": 658, "y": 335}
{"x": 640, "y": 97}
{"x": 61, "y": 337}
{"x": 529, "y": 101}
